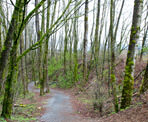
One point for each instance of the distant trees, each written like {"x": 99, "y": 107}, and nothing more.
{"x": 51, "y": 44}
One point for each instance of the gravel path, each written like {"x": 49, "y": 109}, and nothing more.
{"x": 58, "y": 108}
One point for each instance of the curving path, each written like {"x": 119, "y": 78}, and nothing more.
{"x": 59, "y": 108}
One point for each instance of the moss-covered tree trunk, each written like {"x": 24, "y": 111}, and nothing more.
{"x": 45, "y": 64}
{"x": 130, "y": 61}
{"x": 113, "y": 77}
{"x": 12, "y": 71}
{"x": 65, "y": 47}
{"x": 75, "y": 46}
{"x": 70, "y": 52}
{"x": 97, "y": 103}
{"x": 144, "y": 86}
{"x": 85, "y": 41}
{"x": 4, "y": 54}
{"x": 42, "y": 81}
{"x": 0, "y": 35}
{"x": 9, "y": 91}
{"x": 0, "y": 28}
{"x": 65, "y": 43}
{"x": 38, "y": 32}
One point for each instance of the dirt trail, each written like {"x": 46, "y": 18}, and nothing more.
{"x": 58, "y": 108}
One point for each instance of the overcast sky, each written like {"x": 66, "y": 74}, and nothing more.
{"x": 127, "y": 14}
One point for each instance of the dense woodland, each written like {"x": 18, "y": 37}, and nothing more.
{"x": 100, "y": 45}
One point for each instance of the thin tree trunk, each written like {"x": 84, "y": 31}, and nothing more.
{"x": 113, "y": 77}
{"x": 97, "y": 105}
{"x": 65, "y": 48}
{"x": 42, "y": 81}
{"x": 0, "y": 35}
{"x": 143, "y": 43}
{"x": 26, "y": 69}
{"x": 85, "y": 41}
{"x": 45, "y": 64}
{"x": 75, "y": 46}
{"x": 22, "y": 66}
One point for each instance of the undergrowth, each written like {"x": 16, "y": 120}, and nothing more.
{"x": 56, "y": 73}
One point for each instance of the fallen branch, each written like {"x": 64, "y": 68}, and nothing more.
{"x": 139, "y": 74}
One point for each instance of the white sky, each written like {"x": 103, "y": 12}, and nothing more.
{"x": 127, "y": 14}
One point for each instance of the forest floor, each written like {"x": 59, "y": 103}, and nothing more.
{"x": 64, "y": 106}
{"x": 137, "y": 112}
{"x": 56, "y": 106}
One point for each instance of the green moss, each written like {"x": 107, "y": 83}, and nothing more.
{"x": 113, "y": 77}
{"x": 134, "y": 32}
{"x": 134, "y": 41}
{"x": 128, "y": 86}
{"x": 20, "y": 118}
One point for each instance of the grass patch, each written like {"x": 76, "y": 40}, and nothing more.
{"x": 85, "y": 100}
{"x": 20, "y": 118}
{"x": 2, "y": 120}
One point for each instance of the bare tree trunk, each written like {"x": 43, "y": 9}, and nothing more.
{"x": 143, "y": 43}
{"x": 26, "y": 69}
{"x": 22, "y": 66}
{"x": 144, "y": 86}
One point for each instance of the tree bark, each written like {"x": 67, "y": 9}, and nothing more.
{"x": 42, "y": 81}
{"x": 12, "y": 75}
{"x": 130, "y": 61}
{"x": 8, "y": 42}
{"x": 85, "y": 41}
{"x": 75, "y": 47}
{"x": 144, "y": 86}
{"x": 22, "y": 66}
{"x": 143, "y": 43}
{"x": 113, "y": 77}
{"x": 45, "y": 64}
